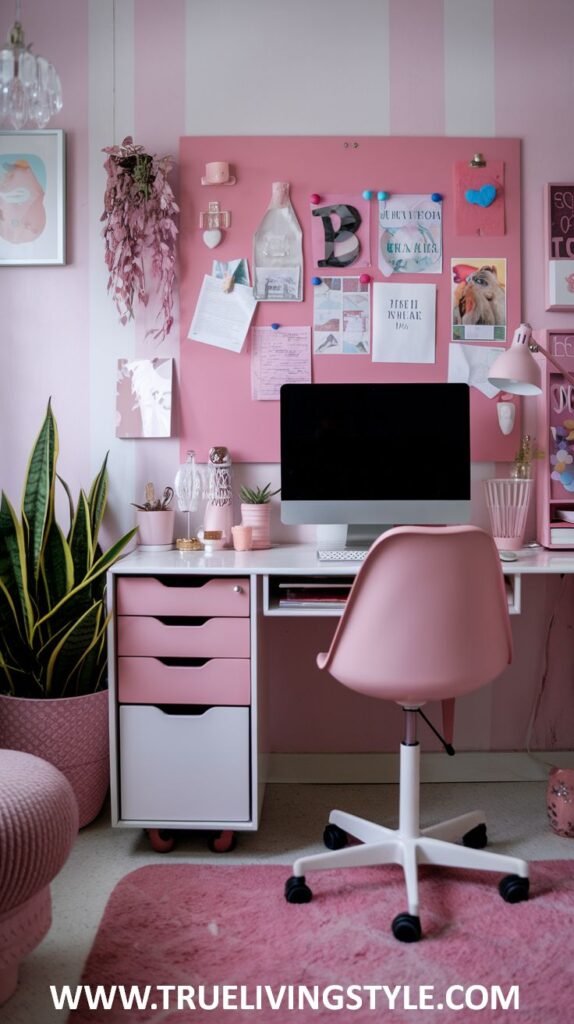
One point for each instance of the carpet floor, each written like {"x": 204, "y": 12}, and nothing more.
{"x": 227, "y": 940}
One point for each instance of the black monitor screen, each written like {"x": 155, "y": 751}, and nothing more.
{"x": 375, "y": 442}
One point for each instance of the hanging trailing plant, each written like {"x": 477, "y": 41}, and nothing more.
{"x": 139, "y": 230}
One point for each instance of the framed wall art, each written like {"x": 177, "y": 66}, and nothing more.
{"x": 32, "y": 198}
{"x": 559, "y": 222}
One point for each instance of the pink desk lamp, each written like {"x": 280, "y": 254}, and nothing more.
{"x": 516, "y": 371}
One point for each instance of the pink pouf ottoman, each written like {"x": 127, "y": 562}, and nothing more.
{"x": 38, "y": 825}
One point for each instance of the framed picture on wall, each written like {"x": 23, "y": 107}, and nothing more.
{"x": 559, "y": 221}
{"x": 32, "y": 198}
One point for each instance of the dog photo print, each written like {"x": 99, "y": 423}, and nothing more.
{"x": 478, "y": 289}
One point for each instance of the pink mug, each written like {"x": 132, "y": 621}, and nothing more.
{"x": 242, "y": 537}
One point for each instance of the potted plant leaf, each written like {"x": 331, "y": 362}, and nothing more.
{"x": 53, "y": 625}
{"x": 256, "y": 513}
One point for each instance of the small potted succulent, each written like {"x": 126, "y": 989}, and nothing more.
{"x": 155, "y": 519}
{"x": 256, "y": 513}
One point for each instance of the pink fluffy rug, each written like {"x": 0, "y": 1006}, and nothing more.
{"x": 216, "y": 928}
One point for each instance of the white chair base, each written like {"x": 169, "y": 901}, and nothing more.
{"x": 409, "y": 845}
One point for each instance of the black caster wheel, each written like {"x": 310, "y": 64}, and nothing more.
{"x": 296, "y": 891}
{"x": 476, "y": 838}
{"x": 334, "y": 837}
{"x": 514, "y": 889}
{"x": 161, "y": 840}
{"x": 406, "y": 928}
{"x": 222, "y": 842}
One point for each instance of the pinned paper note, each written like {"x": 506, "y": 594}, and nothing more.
{"x": 470, "y": 364}
{"x": 404, "y": 323}
{"x": 341, "y": 316}
{"x": 410, "y": 235}
{"x": 281, "y": 356}
{"x": 222, "y": 318}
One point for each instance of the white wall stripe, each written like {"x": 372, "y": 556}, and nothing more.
{"x": 111, "y": 104}
{"x": 283, "y": 69}
{"x": 469, "y": 67}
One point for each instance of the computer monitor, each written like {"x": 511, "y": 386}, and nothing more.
{"x": 372, "y": 456}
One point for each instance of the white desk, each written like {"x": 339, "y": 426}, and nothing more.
{"x": 187, "y": 697}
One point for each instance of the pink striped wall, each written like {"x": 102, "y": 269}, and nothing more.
{"x": 43, "y": 310}
{"x": 202, "y": 67}
{"x": 416, "y": 67}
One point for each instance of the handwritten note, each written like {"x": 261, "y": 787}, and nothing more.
{"x": 222, "y": 318}
{"x": 404, "y": 323}
{"x": 279, "y": 357}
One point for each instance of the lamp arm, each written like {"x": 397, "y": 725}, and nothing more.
{"x": 555, "y": 363}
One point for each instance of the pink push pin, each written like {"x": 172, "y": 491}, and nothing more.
{"x": 365, "y": 279}
{"x": 315, "y": 198}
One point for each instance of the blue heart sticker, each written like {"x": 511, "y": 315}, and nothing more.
{"x": 484, "y": 196}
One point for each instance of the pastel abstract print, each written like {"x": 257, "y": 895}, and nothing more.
{"x": 22, "y": 189}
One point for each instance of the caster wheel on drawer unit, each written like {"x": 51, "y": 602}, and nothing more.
{"x": 161, "y": 840}
{"x": 222, "y": 842}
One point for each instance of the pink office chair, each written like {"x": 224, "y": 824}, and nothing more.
{"x": 426, "y": 619}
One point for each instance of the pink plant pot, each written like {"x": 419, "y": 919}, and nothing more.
{"x": 69, "y": 732}
{"x": 560, "y": 801}
{"x": 155, "y": 529}
{"x": 258, "y": 517}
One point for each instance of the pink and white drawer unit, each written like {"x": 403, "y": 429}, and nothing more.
{"x": 183, "y": 704}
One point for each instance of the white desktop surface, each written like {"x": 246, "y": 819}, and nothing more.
{"x": 295, "y": 559}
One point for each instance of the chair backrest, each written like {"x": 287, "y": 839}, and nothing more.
{"x": 426, "y": 618}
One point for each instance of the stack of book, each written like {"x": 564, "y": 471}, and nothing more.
{"x": 314, "y": 594}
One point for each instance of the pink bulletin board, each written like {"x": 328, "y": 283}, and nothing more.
{"x": 215, "y": 384}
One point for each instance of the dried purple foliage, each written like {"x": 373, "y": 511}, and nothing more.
{"x": 139, "y": 230}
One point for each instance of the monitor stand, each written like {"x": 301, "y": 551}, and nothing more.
{"x": 338, "y": 536}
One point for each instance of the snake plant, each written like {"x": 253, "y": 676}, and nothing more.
{"x": 53, "y": 616}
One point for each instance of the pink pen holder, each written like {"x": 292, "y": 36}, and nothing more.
{"x": 507, "y": 502}
{"x": 242, "y": 537}
{"x": 155, "y": 529}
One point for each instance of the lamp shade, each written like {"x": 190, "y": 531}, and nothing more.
{"x": 515, "y": 370}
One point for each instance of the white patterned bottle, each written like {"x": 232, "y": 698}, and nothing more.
{"x": 278, "y": 250}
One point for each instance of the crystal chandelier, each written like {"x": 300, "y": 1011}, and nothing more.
{"x": 30, "y": 90}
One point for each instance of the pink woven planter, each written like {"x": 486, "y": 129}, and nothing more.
{"x": 72, "y": 734}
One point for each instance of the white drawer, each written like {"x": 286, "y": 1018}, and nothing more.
{"x": 184, "y": 767}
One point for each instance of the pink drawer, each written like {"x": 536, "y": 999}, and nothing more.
{"x": 146, "y": 595}
{"x": 150, "y": 681}
{"x": 143, "y": 636}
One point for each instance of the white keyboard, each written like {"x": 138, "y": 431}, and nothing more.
{"x": 342, "y": 555}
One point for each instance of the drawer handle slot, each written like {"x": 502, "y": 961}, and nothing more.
{"x": 182, "y": 620}
{"x": 184, "y": 709}
{"x": 187, "y": 582}
{"x": 184, "y": 662}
